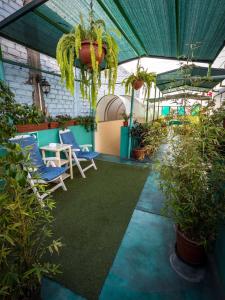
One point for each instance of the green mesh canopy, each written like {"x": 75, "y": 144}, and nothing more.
{"x": 151, "y": 28}
{"x": 192, "y": 78}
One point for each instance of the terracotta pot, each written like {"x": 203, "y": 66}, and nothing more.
{"x": 125, "y": 123}
{"x": 139, "y": 153}
{"x": 85, "y": 53}
{"x": 189, "y": 251}
{"x": 53, "y": 125}
{"x": 32, "y": 127}
{"x": 137, "y": 84}
{"x": 69, "y": 123}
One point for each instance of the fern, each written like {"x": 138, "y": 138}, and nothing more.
{"x": 67, "y": 53}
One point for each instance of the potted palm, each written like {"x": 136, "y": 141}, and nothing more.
{"x": 89, "y": 47}
{"x": 192, "y": 179}
{"x": 138, "y": 79}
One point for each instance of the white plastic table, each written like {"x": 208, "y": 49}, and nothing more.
{"x": 57, "y": 149}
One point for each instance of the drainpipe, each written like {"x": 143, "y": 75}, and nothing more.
{"x": 131, "y": 123}
{"x": 2, "y": 77}
{"x": 154, "y": 106}
{"x": 158, "y": 106}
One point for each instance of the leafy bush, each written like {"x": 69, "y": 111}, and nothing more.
{"x": 25, "y": 226}
{"x": 13, "y": 113}
{"x": 192, "y": 177}
{"x": 25, "y": 230}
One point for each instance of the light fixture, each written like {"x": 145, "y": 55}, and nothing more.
{"x": 45, "y": 86}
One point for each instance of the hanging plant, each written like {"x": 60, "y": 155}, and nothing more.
{"x": 89, "y": 46}
{"x": 138, "y": 79}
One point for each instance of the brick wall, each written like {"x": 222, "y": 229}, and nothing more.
{"x": 59, "y": 100}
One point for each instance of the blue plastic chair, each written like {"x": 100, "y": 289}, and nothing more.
{"x": 79, "y": 152}
{"x": 40, "y": 172}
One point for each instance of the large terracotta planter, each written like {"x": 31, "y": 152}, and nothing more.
{"x": 53, "y": 125}
{"x": 189, "y": 251}
{"x": 137, "y": 84}
{"x": 31, "y": 127}
{"x": 85, "y": 53}
{"x": 139, "y": 153}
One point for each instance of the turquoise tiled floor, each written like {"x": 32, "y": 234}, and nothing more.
{"x": 141, "y": 269}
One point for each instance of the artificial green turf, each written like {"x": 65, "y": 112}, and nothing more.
{"x": 91, "y": 217}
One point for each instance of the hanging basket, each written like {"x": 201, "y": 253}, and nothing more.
{"x": 85, "y": 53}
{"x": 137, "y": 84}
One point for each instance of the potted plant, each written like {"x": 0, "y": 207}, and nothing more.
{"x": 53, "y": 123}
{"x": 192, "y": 179}
{"x": 138, "y": 133}
{"x": 26, "y": 227}
{"x": 154, "y": 137}
{"x": 64, "y": 121}
{"x": 126, "y": 118}
{"x": 31, "y": 119}
{"x": 88, "y": 46}
{"x": 138, "y": 79}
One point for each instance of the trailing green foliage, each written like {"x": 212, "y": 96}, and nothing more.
{"x": 149, "y": 78}
{"x": 88, "y": 122}
{"x": 192, "y": 178}
{"x": 68, "y": 51}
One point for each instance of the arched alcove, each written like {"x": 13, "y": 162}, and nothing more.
{"x": 110, "y": 108}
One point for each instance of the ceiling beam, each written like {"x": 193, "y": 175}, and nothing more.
{"x": 21, "y": 12}
{"x": 177, "y": 13}
{"x": 134, "y": 31}
{"x": 113, "y": 19}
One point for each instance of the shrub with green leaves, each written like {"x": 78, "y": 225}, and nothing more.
{"x": 13, "y": 113}
{"x": 25, "y": 230}
{"x": 192, "y": 176}
{"x": 25, "y": 226}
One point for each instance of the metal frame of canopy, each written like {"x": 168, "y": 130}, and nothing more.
{"x": 140, "y": 50}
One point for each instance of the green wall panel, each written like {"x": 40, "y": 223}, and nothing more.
{"x": 124, "y": 142}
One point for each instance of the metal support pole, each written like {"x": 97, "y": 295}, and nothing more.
{"x": 93, "y": 114}
{"x": 146, "y": 118}
{"x": 154, "y": 106}
{"x": 158, "y": 105}
{"x": 2, "y": 77}
{"x": 131, "y": 123}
